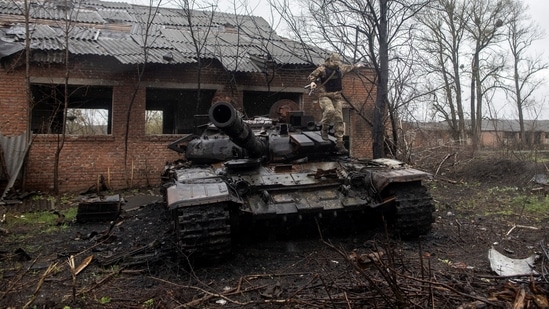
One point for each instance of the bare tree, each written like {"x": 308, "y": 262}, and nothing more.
{"x": 457, "y": 28}
{"x": 441, "y": 45}
{"x": 26, "y": 12}
{"x": 146, "y": 22}
{"x": 87, "y": 121}
{"x": 372, "y": 31}
{"x": 199, "y": 36}
{"x": 219, "y": 45}
{"x": 484, "y": 20}
{"x": 66, "y": 26}
{"x": 67, "y": 29}
{"x": 522, "y": 32}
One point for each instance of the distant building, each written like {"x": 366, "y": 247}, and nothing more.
{"x": 495, "y": 133}
{"x": 138, "y": 80}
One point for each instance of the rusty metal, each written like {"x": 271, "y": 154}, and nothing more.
{"x": 14, "y": 150}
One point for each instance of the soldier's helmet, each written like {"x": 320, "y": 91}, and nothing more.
{"x": 334, "y": 57}
{"x": 333, "y": 60}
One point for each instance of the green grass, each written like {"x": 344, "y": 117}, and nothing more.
{"x": 501, "y": 200}
{"x": 535, "y": 205}
{"x": 43, "y": 221}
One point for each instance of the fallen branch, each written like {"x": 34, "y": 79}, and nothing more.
{"x": 208, "y": 294}
{"x": 442, "y": 162}
{"x": 100, "y": 282}
{"x": 521, "y": 226}
{"x": 46, "y": 273}
{"x": 16, "y": 282}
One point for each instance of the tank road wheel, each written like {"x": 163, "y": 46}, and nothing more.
{"x": 203, "y": 233}
{"x": 414, "y": 210}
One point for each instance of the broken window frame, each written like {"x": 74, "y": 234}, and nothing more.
{"x": 178, "y": 108}
{"x": 89, "y": 113}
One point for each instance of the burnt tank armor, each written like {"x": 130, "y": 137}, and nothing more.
{"x": 271, "y": 173}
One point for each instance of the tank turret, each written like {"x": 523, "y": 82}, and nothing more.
{"x": 230, "y": 137}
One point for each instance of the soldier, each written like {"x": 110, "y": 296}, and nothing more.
{"x": 329, "y": 75}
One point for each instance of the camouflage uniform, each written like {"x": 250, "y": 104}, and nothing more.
{"x": 328, "y": 76}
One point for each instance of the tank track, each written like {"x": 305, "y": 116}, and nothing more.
{"x": 203, "y": 232}
{"x": 414, "y": 210}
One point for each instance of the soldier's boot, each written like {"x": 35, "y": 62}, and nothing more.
{"x": 341, "y": 149}
{"x": 324, "y": 134}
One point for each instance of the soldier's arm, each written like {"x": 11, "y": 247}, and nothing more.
{"x": 314, "y": 77}
{"x": 316, "y": 74}
{"x": 349, "y": 67}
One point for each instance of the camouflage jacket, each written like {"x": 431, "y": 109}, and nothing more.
{"x": 320, "y": 73}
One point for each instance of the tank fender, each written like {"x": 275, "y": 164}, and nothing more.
{"x": 379, "y": 179}
{"x": 195, "y": 194}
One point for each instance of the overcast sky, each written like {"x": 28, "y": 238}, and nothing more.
{"x": 538, "y": 10}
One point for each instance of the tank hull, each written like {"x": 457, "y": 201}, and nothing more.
{"x": 210, "y": 205}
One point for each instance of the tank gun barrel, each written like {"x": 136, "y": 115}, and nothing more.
{"x": 225, "y": 117}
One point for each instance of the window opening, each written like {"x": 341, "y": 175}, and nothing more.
{"x": 176, "y": 111}
{"x": 89, "y": 109}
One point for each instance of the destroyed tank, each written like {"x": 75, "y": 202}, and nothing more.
{"x": 240, "y": 173}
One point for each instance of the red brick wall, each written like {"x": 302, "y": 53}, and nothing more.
{"x": 85, "y": 158}
{"x": 13, "y": 109}
{"x": 361, "y": 93}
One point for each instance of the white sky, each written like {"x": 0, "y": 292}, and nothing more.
{"x": 538, "y": 10}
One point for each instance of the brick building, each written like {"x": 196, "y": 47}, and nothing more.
{"x": 135, "y": 83}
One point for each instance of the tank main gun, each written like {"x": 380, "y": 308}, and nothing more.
{"x": 225, "y": 117}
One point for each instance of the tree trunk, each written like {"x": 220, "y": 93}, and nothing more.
{"x": 474, "y": 123}
{"x": 381, "y": 96}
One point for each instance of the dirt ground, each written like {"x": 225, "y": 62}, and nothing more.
{"x": 133, "y": 266}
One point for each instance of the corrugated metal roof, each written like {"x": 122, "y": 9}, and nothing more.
{"x": 46, "y": 44}
{"x": 78, "y": 47}
{"x": 166, "y": 56}
{"x": 10, "y": 7}
{"x": 13, "y": 149}
{"x": 106, "y": 4}
{"x": 241, "y": 43}
{"x": 48, "y": 56}
{"x": 9, "y": 48}
{"x": 81, "y": 33}
{"x": 116, "y": 47}
{"x": 115, "y": 15}
{"x": 41, "y": 32}
{"x": 58, "y": 11}
{"x": 156, "y": 41}
{"x": 129, "y": 52}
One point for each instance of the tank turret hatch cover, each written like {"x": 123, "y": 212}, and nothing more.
{"x": 281, "y": 109}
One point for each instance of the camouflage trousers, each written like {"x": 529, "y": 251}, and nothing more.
{"x": 330, "y": 103}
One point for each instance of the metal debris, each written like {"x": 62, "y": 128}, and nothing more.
{"x": 13, "y": 152}
{"x": 99, "y": 209}
{"x": 505, "y": 266}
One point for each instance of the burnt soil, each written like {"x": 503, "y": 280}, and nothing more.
{"x": 134, "y": 265}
